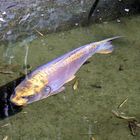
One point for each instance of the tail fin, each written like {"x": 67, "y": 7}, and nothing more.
{"x": 105, "y": 46}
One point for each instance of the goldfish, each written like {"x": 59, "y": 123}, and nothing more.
{"x": 50, "y": 79}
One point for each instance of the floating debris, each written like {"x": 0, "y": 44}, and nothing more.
{"x": 24, "y": 18}
{"x": 123, "y": 103}
{"x": 133, "y": 124}
{"x": 2, "y": 20}
{"x": 96, "y": 86}
{"x": 5, "y": 125}
{"x": 24, "y": 112}
{"x": 6, "y": 72}
{"x": 5, "y": 138}
{"x": 4, "y": 13}
{"x": 92, "y": 138}
{"x": 100, "y": 18}
{"x": 121, "y": 68}
{"x": 118, "y": 20}
{"x": 39, "y": 32}
{"x": 98, "y": 10}
{"x": 75, "y": 85}
{"x": 9, "y": 32}
{"x": 76, "y": 24}
{"x": 126, "y": 10}
{"x": 118, "y": 115}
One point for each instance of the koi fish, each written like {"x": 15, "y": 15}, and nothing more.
{"x": 49, "y": 79}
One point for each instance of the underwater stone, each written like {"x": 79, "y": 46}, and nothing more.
{"x": 22, "y": 16}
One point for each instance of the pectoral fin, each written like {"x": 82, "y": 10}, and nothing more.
{"x": 59, "y": 90}
{"x": 70, "y": 79}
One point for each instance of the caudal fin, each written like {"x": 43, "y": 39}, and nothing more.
{"x": 105, "y": 46}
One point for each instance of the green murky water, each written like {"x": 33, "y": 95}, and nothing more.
{"x": 103, "y": 84}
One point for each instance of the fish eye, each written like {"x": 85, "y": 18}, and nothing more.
{"x": 24, "y": 97}
{"x": 47, "y": 89}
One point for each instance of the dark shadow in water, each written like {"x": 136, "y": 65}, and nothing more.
{"x": 87, "y": 62}
{"x": 7, "y": 108}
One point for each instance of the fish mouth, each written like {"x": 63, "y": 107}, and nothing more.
{"x": 24, "y": 100}
{"x": 19, "y": 101}
{"x": 29, "y": 99}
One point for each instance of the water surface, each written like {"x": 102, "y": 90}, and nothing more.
{"x": 103, "y": 84}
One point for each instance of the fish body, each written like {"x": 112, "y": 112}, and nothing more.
{"x": 49, "y": 79}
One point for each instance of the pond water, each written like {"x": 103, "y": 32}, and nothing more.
{"x": 103, "y": 84}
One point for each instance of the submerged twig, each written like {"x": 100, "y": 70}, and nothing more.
{"x": 38, "y": 32}
{"x": 93, "y": 8}
{"x": 123, "y": 103}
{"x": 7, "y": 124}
{"x": 122, "y": 117}
{"x": 132, "y": 122}
{"x": 25, "y": 60}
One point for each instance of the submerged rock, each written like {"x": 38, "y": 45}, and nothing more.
{"x": 19, "y": 18}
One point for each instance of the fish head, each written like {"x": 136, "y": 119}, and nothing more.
{"x": 28, "y": 91}
{"x": 22, "y": 92}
